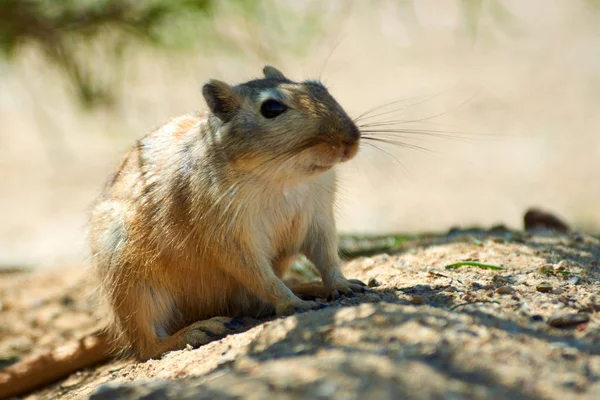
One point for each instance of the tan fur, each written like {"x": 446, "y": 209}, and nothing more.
{"x": 204, "y": 216}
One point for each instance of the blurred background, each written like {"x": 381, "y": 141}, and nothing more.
{"x": 504, "y": 95}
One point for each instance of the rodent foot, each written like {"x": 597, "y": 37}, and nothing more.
{"x": 202, "y": 332}
{"x": 345, "y": 287}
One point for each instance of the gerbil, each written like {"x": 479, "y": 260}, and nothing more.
{"x": 204, "y": 216}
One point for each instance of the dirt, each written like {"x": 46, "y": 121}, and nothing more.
{"x": 530, "y": 330}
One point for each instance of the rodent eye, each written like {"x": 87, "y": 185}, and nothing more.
{"x": 272, "y": 108}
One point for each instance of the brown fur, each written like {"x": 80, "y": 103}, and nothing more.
{"x": 202, "y": 219}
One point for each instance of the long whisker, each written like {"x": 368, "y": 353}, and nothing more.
{"x": 398, "y": 143}
{"x": 401, "y": 108}
{"x": 390, "y": 155}
{"x": 381, "y": 106}
{"x": 447, "y": 111}
{"x": 410, "y": 133}
{"x": 365, "y": 115}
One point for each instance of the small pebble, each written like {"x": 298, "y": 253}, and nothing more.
{"x": 501, "y": 279}
{"x": 477, "y": 285}
{"x": 372, "y": 298}
{"x": 561, "y": 319}
{"x": 570, "y": 353}
{"x": 505, "y": 290}
{"x": 564, "y": 265}
{"x": 422, "y": 288}
{"x": 544, "y": 287}
{"x": 574, "y": 280}
{"x": 577, "y": 237}
{"x": 546, "y": 269}
{"x": 372, "y": 282}
{"x": 416, "y": 299}
{"x": 67, "y": 301}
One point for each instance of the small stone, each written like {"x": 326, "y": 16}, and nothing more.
{"x": 535, "y": 218}
{"x": 546, "y": 269}
{"x": 505, "y": 290}
{"x": 569, "y": 353}
{"x": 544, "y": 287}
{"x": 574, "y": 280}
{"x": 372, "y": 298}
{"x": 500, "y": 228}
{"x": 422, "y": 288}
{"x": 477, "y": 285}
{"x": 561, "y": 319}
{"x": 503, "y": 279}
{"x": 577, "y": 237}
{"x": 416, "y": 299}
{"x": 67, "y": 300}
{"x": 563, "y": 265}
{"x": 372, "y": 282}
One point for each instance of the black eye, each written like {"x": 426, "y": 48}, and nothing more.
{"x": 272, "y": 108}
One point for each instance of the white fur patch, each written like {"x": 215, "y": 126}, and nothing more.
{"x": 296, "y": 195}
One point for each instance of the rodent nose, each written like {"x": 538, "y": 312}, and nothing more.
{"x": 354, "y": 132}
{"x": 351, "y": 132}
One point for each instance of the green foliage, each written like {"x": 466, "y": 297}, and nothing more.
{"x": 62, "y": 28}
{"x": 75, "y": 34}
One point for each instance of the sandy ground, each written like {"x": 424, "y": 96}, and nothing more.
{"x": 528, "y": 89}
{"x": 530, "y": 331}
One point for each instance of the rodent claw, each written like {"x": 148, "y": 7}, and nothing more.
{"x": 357, "y": 282}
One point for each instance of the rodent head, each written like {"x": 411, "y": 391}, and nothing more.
{"x": 278, "y": 127}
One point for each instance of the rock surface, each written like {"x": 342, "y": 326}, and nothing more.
{"x": 425, "y": 332}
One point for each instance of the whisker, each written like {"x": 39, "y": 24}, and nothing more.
{"x": 402, "y": 108}
{"x": 380, "y": 106}
{"x": 425, "y": 98}
{"x": 328, "y": 58}
{"x": 399, "y": 143}
{"x": 390, "y": 155}
{"x": 411, "y": 133}
{"x": 447, "y": 111}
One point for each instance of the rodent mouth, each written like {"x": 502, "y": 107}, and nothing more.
{"x": 320, "y": 167}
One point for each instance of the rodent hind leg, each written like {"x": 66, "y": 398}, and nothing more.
{"x": 198, "y": 334}
{"x": 144, "y": 315}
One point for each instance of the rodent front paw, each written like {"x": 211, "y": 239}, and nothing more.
{"x": 345, "y": 287}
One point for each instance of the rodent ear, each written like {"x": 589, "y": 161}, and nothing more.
{"x": 221, "y": 99}
{"x": 273, "y": 73}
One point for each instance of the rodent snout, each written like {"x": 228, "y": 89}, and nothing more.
{"x": 350, "y": 149}
{"x": 350, "y": 142}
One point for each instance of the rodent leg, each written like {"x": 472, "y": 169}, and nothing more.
{"x": 260, "y": 279}
{"x": 321, "y": 248}
{"x": 312, "y": 289}
{"x": 198, "y": 334}
{"x": 144, "y": 310}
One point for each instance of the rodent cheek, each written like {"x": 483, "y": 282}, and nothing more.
{"x": 328, "y": 153}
